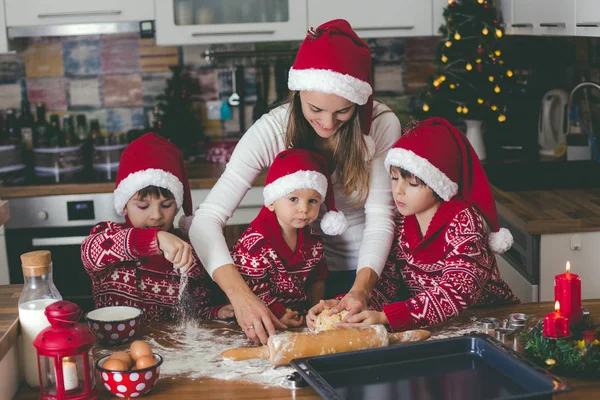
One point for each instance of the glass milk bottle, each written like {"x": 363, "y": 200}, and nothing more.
{"x": 38, "y": 292}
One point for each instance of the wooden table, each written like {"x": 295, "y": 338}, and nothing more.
{"x": 210, "y": 389}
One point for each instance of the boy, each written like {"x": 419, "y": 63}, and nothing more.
{"x": 280, "y": 256}
{"x": 145, "y": 262}
{"x": 442, "y": 256}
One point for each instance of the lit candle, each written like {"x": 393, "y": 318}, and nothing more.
{"x": 69, "y": 375}
{"x": 556, "y": 324}
{"x": 567, "y": 291}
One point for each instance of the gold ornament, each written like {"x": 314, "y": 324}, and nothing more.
{"x": 469, "y": 67}
{"x": 425, "y": 107}
{"x": 459, "y": 109}
{"x": 465, "y": 110}
{"x": 450, "y": 1}
{"x": 444, "y": 59}
{"x": 478, "y": 61}
{"x": 494, "y": 108}
{"x": 509, "y": 73}
{"x": 442, "y": 78}
{"x": 497, "y": 53}
{"x": 457, "y": 36}
{"x": 448, "y": 44}
{"x": 452, "y": 86}
{"x": 497, "y": 89}
{"x": 480, "y": 1}
{"x": 480, "y": 101}
{"x": 498, "y": 33}
{"x": 485, "y": 31}
{"x": 501, "y": 118}
{"x": 491, "y": 78}
{"x": 501, "y": 62}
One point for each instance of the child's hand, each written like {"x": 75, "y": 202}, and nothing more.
{"x": 225, "y": 312}
{"x": 364, "y": 318}
{"x": 291, "y": 319}
{"x": 311, "y": 317}
{"x": 176, "y": 250}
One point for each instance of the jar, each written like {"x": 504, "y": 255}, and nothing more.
{"x": 38, "y": 292}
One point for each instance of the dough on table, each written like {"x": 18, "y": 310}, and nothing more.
{"x": 326, "y": 322}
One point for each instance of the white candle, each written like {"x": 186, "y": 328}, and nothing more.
{"x": 70, "y": 375}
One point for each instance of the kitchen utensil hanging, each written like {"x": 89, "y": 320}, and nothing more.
{"x": 234, "y": 99}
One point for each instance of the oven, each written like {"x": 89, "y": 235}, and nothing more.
{"x": 59, "y": 224}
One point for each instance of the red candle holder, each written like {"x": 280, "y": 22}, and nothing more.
{"x": 567, "y": 291}
{"x": 556, "y": 324}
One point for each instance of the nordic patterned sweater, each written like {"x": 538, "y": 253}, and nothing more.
{"x": 443, "y": 273}
{"x": 128, "y": 269}
{"x": 278, "y": 276}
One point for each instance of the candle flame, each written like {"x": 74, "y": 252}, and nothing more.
{"x": 557, "y": 306}
{"x": 568, "y": 266}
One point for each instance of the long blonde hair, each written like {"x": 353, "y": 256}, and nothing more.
{"x": 352, "y": 165}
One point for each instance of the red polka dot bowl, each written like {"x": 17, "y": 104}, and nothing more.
{"x": 129, "y": 384}
{"x": 114, "y": 325}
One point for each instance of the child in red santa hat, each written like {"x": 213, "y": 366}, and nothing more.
{"x": 145, "y": 262}
{"x": 442, "y": 259}
{"x": 280, "y": 255}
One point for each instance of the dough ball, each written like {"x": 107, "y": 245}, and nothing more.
{"x": 326, "y": 322}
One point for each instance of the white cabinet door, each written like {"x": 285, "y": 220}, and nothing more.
{"x": 3, "y": 36}
{"x": 376, "y": 18}
{"x": 44, "y": 12}
{"x": 181, "y": 22}
{"x": 543, "y": 17}
{"x": 438, "y": 15}
{"x": 582, "y": 250}
{"x": 521, "y": 287}
{"x": 587, "y": 18}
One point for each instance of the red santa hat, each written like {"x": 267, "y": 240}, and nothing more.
{"x": 152, "y": 160}
{"x": 297, "y": 169}
{"x": 442, "y": 157}
{"x": 333, "y": 59}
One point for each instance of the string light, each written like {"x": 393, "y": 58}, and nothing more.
{"x": 480, "y": 1}
{"x": 497, "y": 53}
{"x": 442, "y": 78}
{"x": 436, "y": 83}
{"x": 465, "y": 110}
{"x": 469, "y": 67}
{"x": 459, "y": 109}
{"x": 478, "y": 61}
{"x": 452, "y": 86}
{"x": 494, "y": 108}
{"x": 448, "y": 44}
{"x": 509, "y": 73}
{"x": 491, "y": 78}
{"x": 444, "y": 59}
{"x": 497, "y": 89}
{"x": 501, "y": 118}
{"x": 498, "y": 33}
{"x": 485, "y": 31}
{"x": 480, "y": 101}
{"x": 457, "y": 36}
{"x": 425, "y": 107}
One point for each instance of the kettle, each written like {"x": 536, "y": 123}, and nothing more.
{"x": 553, "y": 122}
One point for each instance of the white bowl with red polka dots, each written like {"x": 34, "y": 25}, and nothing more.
{"x": 114, "y": 325}
{"x": 129, "y": 384}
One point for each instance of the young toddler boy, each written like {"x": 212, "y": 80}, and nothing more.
{"x": 280, "y": 256}
{"x": 144, "y": 262}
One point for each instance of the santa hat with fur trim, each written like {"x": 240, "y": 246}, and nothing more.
{"x": 297, "y": 169}
{"x": 333, "y": 59}
{"x": 442, "y": 157}
{"x": 152, "y": 160}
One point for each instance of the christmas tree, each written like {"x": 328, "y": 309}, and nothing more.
{"x": 471, "y": 80}
{"x": 175, "y": 116}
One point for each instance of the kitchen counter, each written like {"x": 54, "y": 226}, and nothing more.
{"x": 201, "y": 176}
{"x": 211, "y": 389}
{"x": 9, "y": 317}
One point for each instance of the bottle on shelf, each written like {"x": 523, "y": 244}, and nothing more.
{"x": 3, "y": 134}
{"x": 68, "y": 128}
{"x": 26, "y": 124}
{"x": 12, "y": 128}
{"x": 95, "y": 132}
{"x": 38, "y": 292}
{"x": 41, "y": 128}
{"x": 55, "y": 134}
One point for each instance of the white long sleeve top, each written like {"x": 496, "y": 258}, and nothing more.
{"x": 368, "y": 239}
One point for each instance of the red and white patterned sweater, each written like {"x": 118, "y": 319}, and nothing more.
{"x": 128, "y": 269}
{"x": 442, "y": 274}
{"x": 278, "y": 276}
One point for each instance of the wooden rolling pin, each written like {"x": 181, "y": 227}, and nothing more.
{"x": 281, "y": 349}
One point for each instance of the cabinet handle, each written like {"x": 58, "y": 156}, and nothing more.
{"x": 58, "y": 241}
{"x": 80, "y": 14}
{"x": 553, "y": 25}
{"x": 588, "y": 25}
{"x": 386, "y": 28}
{"x": 525, "y": 25}
{"x": 200, "y": 34}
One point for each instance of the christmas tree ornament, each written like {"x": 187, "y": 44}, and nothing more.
{"x": 457, "y": 36}
{"x": 485, "y": 31}
{"x": 497, "y": 89}
{"x": 509, "y": 73}
{"x": 491, "y": 78}
{"x": 469, "y": 67}
{"x": 444, "y": 59}
{"x": 425, "y": 107}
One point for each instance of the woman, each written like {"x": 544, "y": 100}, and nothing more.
{"x": 331, "y": 112}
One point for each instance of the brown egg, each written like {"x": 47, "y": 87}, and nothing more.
{"x": 115, "y": 365}
{"x": 145, "y": 362}
{"x": 123, "y": 356}
{"x": 139, "y": 349}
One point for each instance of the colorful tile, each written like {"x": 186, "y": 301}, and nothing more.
{"x": 44, "y": 59}
{"x": 389, "y": 79}
{"x": 122, "y": 90}
{"x": 156, "y": 59}
{"x": 388, "y": 50}
{"x": 12, "y": 67}
{"x": 10, "y": 96}
{"x": 153, "y": 84}
{"x": 120, "y": 54}
{"x": 84, "y": 93}
{"x": 417, "y": 73}
{"x": 50, "y": 91}
{"x": 124, "y": 119}
{"x": 421, "y": 48}
{"x": 81, "y": 57}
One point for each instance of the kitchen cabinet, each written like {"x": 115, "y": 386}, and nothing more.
{"x": 44, "y": 12}
{"x": 587, "y": 18}
{"x": 539, "y": 17}
{"x": 3, "y": 36}
{"x": 181, "y": 22}
{"x": 438, "y": 15}
{"x": 526, "y": 291}
{"x": 377, "y": 18}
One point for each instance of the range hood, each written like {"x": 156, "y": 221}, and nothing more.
{"x": 145, "y": 28}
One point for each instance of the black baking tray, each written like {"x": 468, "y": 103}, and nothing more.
{"x": 469, "y": 367}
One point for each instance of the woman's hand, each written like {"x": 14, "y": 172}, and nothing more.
{"x": 311, "y": 317}
{"x": 354, "y": 302}
{"x": 175, "y": 250}
{"x": 225, "y": 312}
{"x": 292, "y": 319}
{"x": 363, "y": 318}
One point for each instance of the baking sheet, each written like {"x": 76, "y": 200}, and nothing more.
{"x": 469, "y": 367}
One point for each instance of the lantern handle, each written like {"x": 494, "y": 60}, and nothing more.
{"x": 70, "y": 321}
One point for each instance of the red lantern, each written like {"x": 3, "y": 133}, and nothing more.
{"x": 65, "y": 344}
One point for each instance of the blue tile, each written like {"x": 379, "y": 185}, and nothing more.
{"x": 81, "y": 57}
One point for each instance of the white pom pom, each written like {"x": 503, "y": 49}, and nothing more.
{"x": 501, "y": 241}
{"x": 184, "y": 223}
{"x": 334, "y": 223}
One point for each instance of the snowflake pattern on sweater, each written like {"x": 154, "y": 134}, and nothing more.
{"x": 443, "y": 273}
{"x": 128, "y": 269}
{"x": 278, "y": 276}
